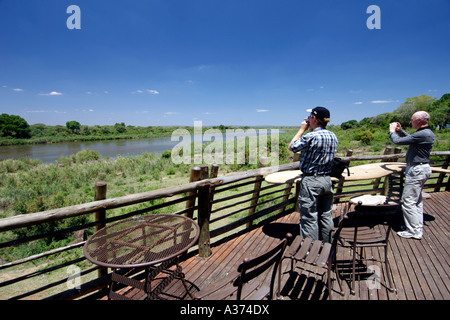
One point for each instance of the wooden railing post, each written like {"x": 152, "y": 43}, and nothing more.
{"x": 387, "y": 151}
{"x": 204, "y": 172}
{"x": 204, "y": 214}
{"x": 100, "y": 215}
{"x": 205, "y": 197}
{"x": 213, "y": 174}
{"x": 256, "y": 191}
{"x": 100, "y": 194}
{"x": 190, "y": 203}
{"x": 387, "y": 179}
{"x": 442, "y": 176}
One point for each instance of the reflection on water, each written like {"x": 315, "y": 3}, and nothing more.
{"x": 48, "y": 153}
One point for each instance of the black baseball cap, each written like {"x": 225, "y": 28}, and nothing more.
{"x": 320, "y": 112}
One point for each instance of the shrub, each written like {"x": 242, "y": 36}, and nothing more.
{"x": 87, "y": 155}
{"x": 365, "y": 137}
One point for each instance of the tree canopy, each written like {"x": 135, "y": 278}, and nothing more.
{"x": 14, "y": 126}
{"x": 73, "y": 126}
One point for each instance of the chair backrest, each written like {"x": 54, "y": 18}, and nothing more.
{"x": 335, "y": 236}
{"x": 250, "y": 269}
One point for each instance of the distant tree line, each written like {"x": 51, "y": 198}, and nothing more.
{"x": 439, "y": 110}
{"x": 13, "y": 126}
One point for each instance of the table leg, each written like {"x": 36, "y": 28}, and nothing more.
{"x": 154, "y": 293}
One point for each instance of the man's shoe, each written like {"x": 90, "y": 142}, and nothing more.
{"x": 408, "y": 235}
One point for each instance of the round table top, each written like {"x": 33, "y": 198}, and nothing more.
{"x": 439, "y": 170}
{"x": 373, "y": 170}
{"x": 362, "y": 172}
{"x": 289, "y": 176}
{"x": 141, "y": 241}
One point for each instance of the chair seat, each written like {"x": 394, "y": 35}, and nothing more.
{"x": 366, "y": 235}
{"x": 309, "y": 251}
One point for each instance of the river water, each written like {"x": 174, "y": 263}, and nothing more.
{"x": 48, "y": 153}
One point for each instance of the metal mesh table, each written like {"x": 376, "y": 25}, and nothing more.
{"x": 153, "y": 242}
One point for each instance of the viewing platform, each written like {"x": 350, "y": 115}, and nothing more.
{"x": 240, "y": 216}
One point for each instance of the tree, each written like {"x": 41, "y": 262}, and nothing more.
{"x": 120, "y": 127}
{"x": 349, "y": 124}
{"x": 412, "y": 105}
{"x": 14, "y": 126}
{"x": 73, "y": 126}
{"x": 440, "y": 111}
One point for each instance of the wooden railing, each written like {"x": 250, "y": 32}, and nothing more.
{"x": 220, "y": 204}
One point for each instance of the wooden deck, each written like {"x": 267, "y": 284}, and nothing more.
{"x": 420, "y": 268}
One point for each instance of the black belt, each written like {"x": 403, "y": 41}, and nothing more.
{"x": 315, "y": 174}
{"x": 415, "y": 163}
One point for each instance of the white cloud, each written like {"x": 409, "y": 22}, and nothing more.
{"x": 45, "y": 111}
{"x": 170, "y": 113}
{"x": 151, "y": 91}
{"x": 18, "y": 90}
{"x": 262, "y": 110}
{"x": 52, "y": 93}
{"x": 381, "y": 101}
{"x": 358, "y": 102}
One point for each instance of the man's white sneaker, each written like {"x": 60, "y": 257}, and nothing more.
{"x": 408, "y": 235}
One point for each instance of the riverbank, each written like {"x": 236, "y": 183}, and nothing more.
{"x": 42, "y": 134}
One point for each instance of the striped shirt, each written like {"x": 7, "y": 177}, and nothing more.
{"x": 318, "y": 149}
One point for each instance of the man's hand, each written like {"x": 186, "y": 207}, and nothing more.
{"x": 395, "y": 126}
{"x": 303, "y": 127}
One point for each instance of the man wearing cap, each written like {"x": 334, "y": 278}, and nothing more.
{"x": 417, "y": 171}
{"x": 318, "y": 148}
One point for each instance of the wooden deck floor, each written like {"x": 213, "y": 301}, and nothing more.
{"x": 420, "y": 268}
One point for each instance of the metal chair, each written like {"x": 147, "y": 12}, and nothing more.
{"x": 245, "y": 284}
{"x": 361, "y": 232}
{"x": 318, "y": 253}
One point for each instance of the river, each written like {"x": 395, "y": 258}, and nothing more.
{"x": 49, "y": 153}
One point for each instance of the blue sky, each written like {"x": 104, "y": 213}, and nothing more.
{"x": 231, "y": 62}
